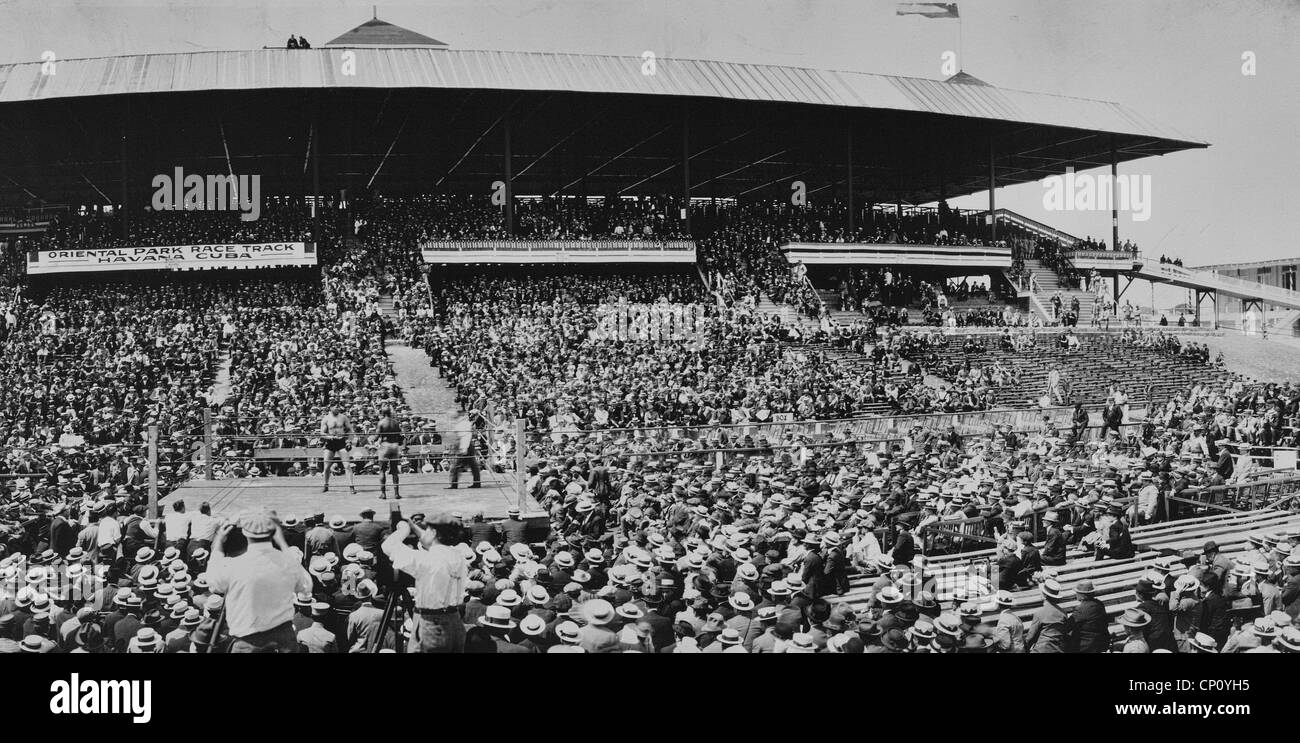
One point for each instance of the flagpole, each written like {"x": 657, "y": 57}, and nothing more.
{"x": 961, "y": 52}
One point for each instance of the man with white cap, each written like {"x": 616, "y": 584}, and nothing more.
{"x": 258, "y": 586}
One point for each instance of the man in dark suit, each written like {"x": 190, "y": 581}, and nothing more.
{"x": 63, "y": 534}
{"x": 835, "y": 571}
{"x": 1112, "y": 416}
{"x": 1009, "y": 566}
{"x": 1031, "y": 561}
{"x": 1214, "y": 609}
{"x": 1053, "y": 552}
{"x": 904, "y": 548}
{"x": 813, "y": 569}
{"x": 1119, "y": 542}
{"x": 1160, "y": 632}
{"x": 1090, "y": 627}
{"x": 369, "y": 533}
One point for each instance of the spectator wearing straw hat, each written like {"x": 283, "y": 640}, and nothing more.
{"x": 1047, "y": 632}
{"x": 1053, "y": 552}
{"x": 596, "y": 636}
{"x": 258, "y": 586}
{"x": 1009, "y": 632}
{"x": 1135, "y": 623}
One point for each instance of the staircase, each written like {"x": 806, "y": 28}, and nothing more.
{"x": 1046, "y": 284}
{"x": 386, "y": 306}
{"x": 789, "y": 315}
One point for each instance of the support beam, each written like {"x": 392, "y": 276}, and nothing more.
{"x": 153, "y": 472}
{"x": 993, "y": 185}
{"x": 1120, "y": 292}
{"x": 686, "y": 166}
{"x": 849, "y": 174}
{"x": 315, "y": 175}
{"x": 509, "y": 177}
{"x": 126, "y": 126}
{"x": 1114, "y": 203}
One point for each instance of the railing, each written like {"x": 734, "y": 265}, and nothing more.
{"x": 1232, "y": 498}
{"x": 1033, "y": 225}
{"x": 1239, "y": 287}
{"x": 1121, "y": 256}
{"x": 889, "y": 253}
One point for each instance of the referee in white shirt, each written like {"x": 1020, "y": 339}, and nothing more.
{"x": 440, "y": 575}
{"x": 259, "y": 586}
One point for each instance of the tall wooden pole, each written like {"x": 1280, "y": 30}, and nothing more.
{"x": 153, "y": 471}
{"x": 509, "y": 179}
{"x": 207, "y": 443}
{"x": 520, "y": 469}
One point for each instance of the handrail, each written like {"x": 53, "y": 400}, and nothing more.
{"x": 1116, "y": 255}
{"x": 1250, "y": 289}
{"x": 1034, "y": 224}
{"x": 916, "y": 249}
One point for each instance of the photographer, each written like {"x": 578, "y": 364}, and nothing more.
{"x": 440, "y": 576}
{"x": 259, "y": 586}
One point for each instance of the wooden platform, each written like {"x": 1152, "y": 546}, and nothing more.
{"x": 301, "y": 496}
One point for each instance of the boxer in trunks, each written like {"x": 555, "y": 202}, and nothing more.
{"x": 388, "y": 434}
{"x": 335, "y": 429}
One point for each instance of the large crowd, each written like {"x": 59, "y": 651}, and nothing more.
{"x": 678, "y": 554}
{"x": 672, "y": 528}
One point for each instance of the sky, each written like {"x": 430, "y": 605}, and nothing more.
{"x": 1179, "y": 62}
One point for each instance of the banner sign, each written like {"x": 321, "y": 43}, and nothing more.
{"x": 173, "y": 257}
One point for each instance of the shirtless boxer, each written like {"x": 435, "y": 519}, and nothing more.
{"x": 388, "y": 434}
{"x": 336, "y": 428}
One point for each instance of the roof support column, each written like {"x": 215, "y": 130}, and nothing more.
{"x": 126, "y": 127}
{"x": 686, "y": 167}
{"x": 848, "y": 135}
{"x": 993, "y": 185}
{"x": 315, "y": 175}
{"x": 1114, "y": 205}
{"x": 509, "y": 179}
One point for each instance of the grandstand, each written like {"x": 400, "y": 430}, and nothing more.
{"x": 788, "y": 387}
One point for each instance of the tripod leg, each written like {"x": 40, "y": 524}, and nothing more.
{"x": 378, "y": 641}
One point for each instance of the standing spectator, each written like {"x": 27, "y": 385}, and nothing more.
{"x": 258, "y": 586}
{"x": 440, "y": 577}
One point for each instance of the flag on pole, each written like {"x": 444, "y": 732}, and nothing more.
{"x": 929, "y": 10}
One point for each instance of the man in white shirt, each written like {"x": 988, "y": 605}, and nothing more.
{"x": 259, "y": 586}
{"x": 202, "y": 529}
{"x": 109, "y": 533}
{"x": 440, "y": 576}
{"x": 1148, "y": 499}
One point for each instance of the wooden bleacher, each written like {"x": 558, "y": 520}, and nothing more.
{"x": 1114, "y": 580}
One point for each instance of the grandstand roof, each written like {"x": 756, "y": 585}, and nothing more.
{"x": 409, "y": 113}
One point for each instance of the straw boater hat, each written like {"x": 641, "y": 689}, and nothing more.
{"x": 1053, "y": 589}
{"x": 1203, "y": 643}
{"x": 1134, "y": 618}
{"x": 497, "y": 617}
